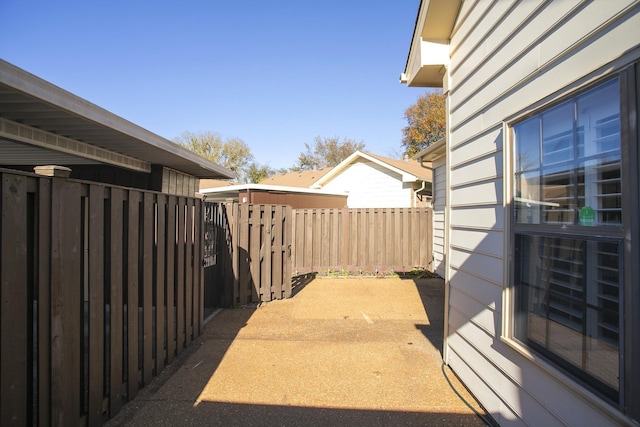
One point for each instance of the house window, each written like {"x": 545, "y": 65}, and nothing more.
{"x": 568, "y": 237}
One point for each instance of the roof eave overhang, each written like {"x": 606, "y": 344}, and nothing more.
{"x": 433, "y": 152}
{"x": 266, "y": 188}
{"x": 94, "y": 125}
{"x": 429, "y": 51}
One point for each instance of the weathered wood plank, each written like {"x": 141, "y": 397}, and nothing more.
{"x": 286, "y": 261}
{"x": 255, "y": 242}
{"x": 66, "y": 302}
{"x": 243, "y": 266}
{"x": 307, "y": 240}
{"x": 170, "y": 277}
{"x": 198, "y": 268}
{"x": 188, "y": 282}
{"x": 116, "y": 303}
{"x": 179, "y": 283}
{"x": 133, "y": 230}
{"x": 266, "y": 284}
{"x": 277, "y": 238}
{"x": 44, "y": 300}
{"x": 160, "y": 285}
{"x": 147, "y": 283}
{"x": 14, "y": 370}
{"x": 406, "y": 234}
{"x": 96, "y": 304}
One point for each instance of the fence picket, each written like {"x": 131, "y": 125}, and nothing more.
{"x": 66, "y": 302}
{"x": 160, "y": 281}
{"x": 133, "y": 230}
{"x": 116, "y": 295}
{"x": 15, "y": 302}
{"x": 43, "y": 262}
{"x": 96, "y": 304}
{"x": 147, "y": 286}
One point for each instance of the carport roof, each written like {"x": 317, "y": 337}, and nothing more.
{"x": 36, "y": 103}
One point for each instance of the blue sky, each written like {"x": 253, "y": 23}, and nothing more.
{"x": 275, "y": 74}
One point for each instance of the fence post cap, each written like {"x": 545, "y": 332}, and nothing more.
{"x": 53, "y": 170}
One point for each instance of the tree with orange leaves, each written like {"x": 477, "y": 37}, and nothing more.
{"x": 426, "y": 122}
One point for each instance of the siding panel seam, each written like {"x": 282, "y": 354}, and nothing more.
{"x": 457, "y": 268}
{"x": 475, "y": 137}
{"x": 473, "y": 182}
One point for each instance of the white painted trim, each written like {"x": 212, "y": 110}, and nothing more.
{"x": 267, "y": 187}
{"x": 406, "y": 177}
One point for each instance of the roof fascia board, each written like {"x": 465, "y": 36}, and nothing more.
{"x": 432, "y": 152}
{"x": 266, "y": 187}
{"x": 406, "y": 177}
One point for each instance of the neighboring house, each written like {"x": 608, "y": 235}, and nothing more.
{"x": 286, "y": 189}
{"x": 541, "y": 211}
{"x": 42, "y": 124}
{"x": 373, "y": 181}
{"x": 296, "y": 197}
{"x": 435, "y": 154}
{"x": 362, "y": 180}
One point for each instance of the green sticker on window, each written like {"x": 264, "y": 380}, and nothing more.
{"x": 587, "y": 216}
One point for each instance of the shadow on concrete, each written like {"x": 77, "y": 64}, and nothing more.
{"x": 432, "y": 296}
{"x": 174, "y": 398}
{"x": 299, "y": 282}
{"x": 237, "y": 414}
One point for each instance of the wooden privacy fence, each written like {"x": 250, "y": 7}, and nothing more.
{"x": 100, "y": 289}
{"x": 367, "y": 239}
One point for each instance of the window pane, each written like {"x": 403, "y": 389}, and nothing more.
{"x": 599, "y": 117}
{"x": 567, "y": 162}
{"x": 527, "y": 183}
{"x": 568, "y": 305}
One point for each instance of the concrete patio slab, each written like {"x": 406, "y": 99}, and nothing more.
{"x": 356, "y": 351}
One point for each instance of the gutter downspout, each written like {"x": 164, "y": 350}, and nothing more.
{"x": 415, "y": 192}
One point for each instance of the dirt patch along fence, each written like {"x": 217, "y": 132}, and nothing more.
{"x": 367, "y": 240}
{"x": 101, "y": 288}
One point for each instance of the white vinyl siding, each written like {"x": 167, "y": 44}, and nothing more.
{"x": 439, "y": 202}
{"x": 508, "y": 59}
{"x": 369, "y": 185}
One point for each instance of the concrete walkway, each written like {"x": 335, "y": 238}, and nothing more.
{"x": 342, "y": 352}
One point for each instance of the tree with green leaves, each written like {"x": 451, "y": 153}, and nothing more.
{"x": 326, "y": 152}
{"x": 231, "y": 153}
{"x": 426, "y": 122}
{"x": 256, "y": 173}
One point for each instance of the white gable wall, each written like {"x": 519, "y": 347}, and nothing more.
{"x": 370, "y": 185}
{"x": 508, "y": 57}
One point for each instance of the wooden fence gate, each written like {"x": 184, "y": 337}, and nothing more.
{"x": 248, "y": 254}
